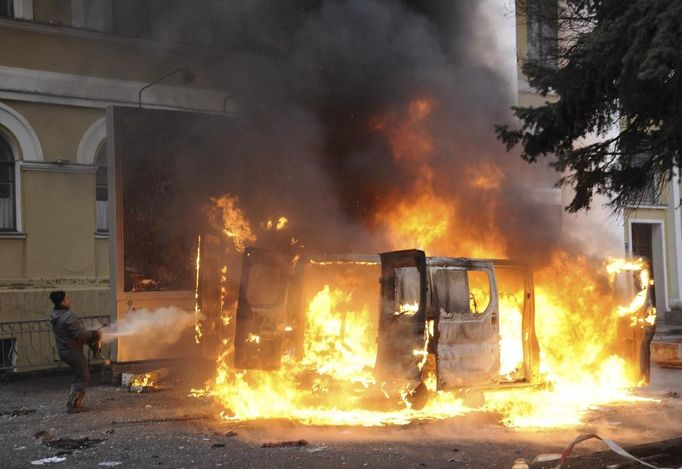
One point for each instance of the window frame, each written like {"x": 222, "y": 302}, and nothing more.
{"x": 12, "y": 165}
{"x": 99, "y": 154}
{"x": 469, "y": 316}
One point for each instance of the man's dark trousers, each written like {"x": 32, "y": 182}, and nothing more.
{"x": 81, "y": 375}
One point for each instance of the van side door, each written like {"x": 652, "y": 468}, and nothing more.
{"x": 262, "y": 309}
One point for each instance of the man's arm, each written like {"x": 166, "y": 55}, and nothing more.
{"x": 76, "y": 329}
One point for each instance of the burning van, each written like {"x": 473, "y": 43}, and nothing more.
{"x": 444, "y": 323}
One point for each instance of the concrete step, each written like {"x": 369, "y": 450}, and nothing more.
{"x": 667, "y": 351}
{"x": 673, "y": 317}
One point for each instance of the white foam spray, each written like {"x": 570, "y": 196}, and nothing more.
{"x": 165, "y": 325}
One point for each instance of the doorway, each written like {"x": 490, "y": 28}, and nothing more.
{"x": 648, "y": 242}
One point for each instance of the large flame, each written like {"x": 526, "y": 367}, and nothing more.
{"x": 586, "y": 331}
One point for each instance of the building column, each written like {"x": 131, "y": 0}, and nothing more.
{"x": 675, "y": 241}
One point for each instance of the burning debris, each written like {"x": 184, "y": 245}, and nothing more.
{"x": 146, "y": 381}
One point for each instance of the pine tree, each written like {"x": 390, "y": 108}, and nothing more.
{"x": 617, "y": 65}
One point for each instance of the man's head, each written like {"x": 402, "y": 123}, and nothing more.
{"x": 59, "y": 299}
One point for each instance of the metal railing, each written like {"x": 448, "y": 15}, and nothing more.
{"x": 30, "y": 345}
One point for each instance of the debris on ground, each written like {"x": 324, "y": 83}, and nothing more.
{"x": 218, "y": 445}
{"x": 110, "y": 463}
{"x": 18, "y": 412}
{"x": 316, "y": 449}
{"x": 146, "y": 382}
{"x": 546, "y": 457}
{"x": 52, "y": 460}
{"x": 164, "y": 419}
{"x": 667, "y": 453}
{"x": 282, "y": 444}
{"x": 48, "y": 439}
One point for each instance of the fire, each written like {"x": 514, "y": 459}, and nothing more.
{"x": 511, "y": 345}
{"x": 585, "y": 330}
{"x": 333, "y": 383}
{"x": 409, "y": 309}
{"x": 639, "y": 267}
{"x": 578, "y": 320}
{"x": 197, "y": 309}
{"x": 231, "y": 220}
{"x": 423, "y": 218}
{"x": 141, "y": 381}
{"x": 337, "y": 364}
{"x": 278, "y": 225}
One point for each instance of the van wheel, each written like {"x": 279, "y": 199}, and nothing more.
{"x": 419, "y": 396}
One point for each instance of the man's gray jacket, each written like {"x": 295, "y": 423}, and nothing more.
{"x": 69, "y": 332}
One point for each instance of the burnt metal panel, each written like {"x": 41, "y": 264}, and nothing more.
{"x": 262, "y": 309}
{"x": 466, "y": 344}
{"x": 400, "y": 334}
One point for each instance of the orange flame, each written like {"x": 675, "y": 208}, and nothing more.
{"x": 584, "y": 331}
{"x": 229, "y": 218}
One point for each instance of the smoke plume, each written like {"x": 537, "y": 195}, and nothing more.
{"x": 321, "y": 91}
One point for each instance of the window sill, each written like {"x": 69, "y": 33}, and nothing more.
{"x": 101, "y": 235}
{"x": 12, "y": 235}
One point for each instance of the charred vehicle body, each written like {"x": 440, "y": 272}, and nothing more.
{"x": 432, "y": 316}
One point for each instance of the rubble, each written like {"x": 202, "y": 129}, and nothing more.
{"x": 282, "y": 444}
{"x": 52, "y": 460}
{"x": 18, "y": 412}
{"x": 48, "y": 439}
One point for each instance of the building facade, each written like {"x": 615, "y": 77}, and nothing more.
{"x": 63, "y": 63}
{"x": 653, "y": 230}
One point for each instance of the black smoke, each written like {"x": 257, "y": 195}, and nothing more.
{"x": 309, "y": 76}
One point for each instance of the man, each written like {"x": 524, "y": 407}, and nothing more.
{"x": 70, "y": 336}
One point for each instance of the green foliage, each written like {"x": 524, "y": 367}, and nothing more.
{"x": 620, "y": 66}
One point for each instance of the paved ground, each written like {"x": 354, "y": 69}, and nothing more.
{"x": 473, "y": 441}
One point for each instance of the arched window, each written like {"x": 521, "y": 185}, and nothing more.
{"x": 8, "y": 218}
{"x": 101, "y": 190}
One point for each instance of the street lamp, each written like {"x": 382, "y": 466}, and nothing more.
{"x": 186, "y": 77}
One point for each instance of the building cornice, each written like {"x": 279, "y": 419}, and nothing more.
{"x": 18, "y": 24}
{"x": 22, "y": 84}
{"x": 54, "y": 167}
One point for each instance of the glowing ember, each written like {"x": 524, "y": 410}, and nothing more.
{"x": 140, "y": 382}
{"x": 253, "y": 338}
{"x": 408, "y": 309}
{"x": 230, "y": 219}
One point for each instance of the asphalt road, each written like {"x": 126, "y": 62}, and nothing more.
{"x": 471, "y": 441}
